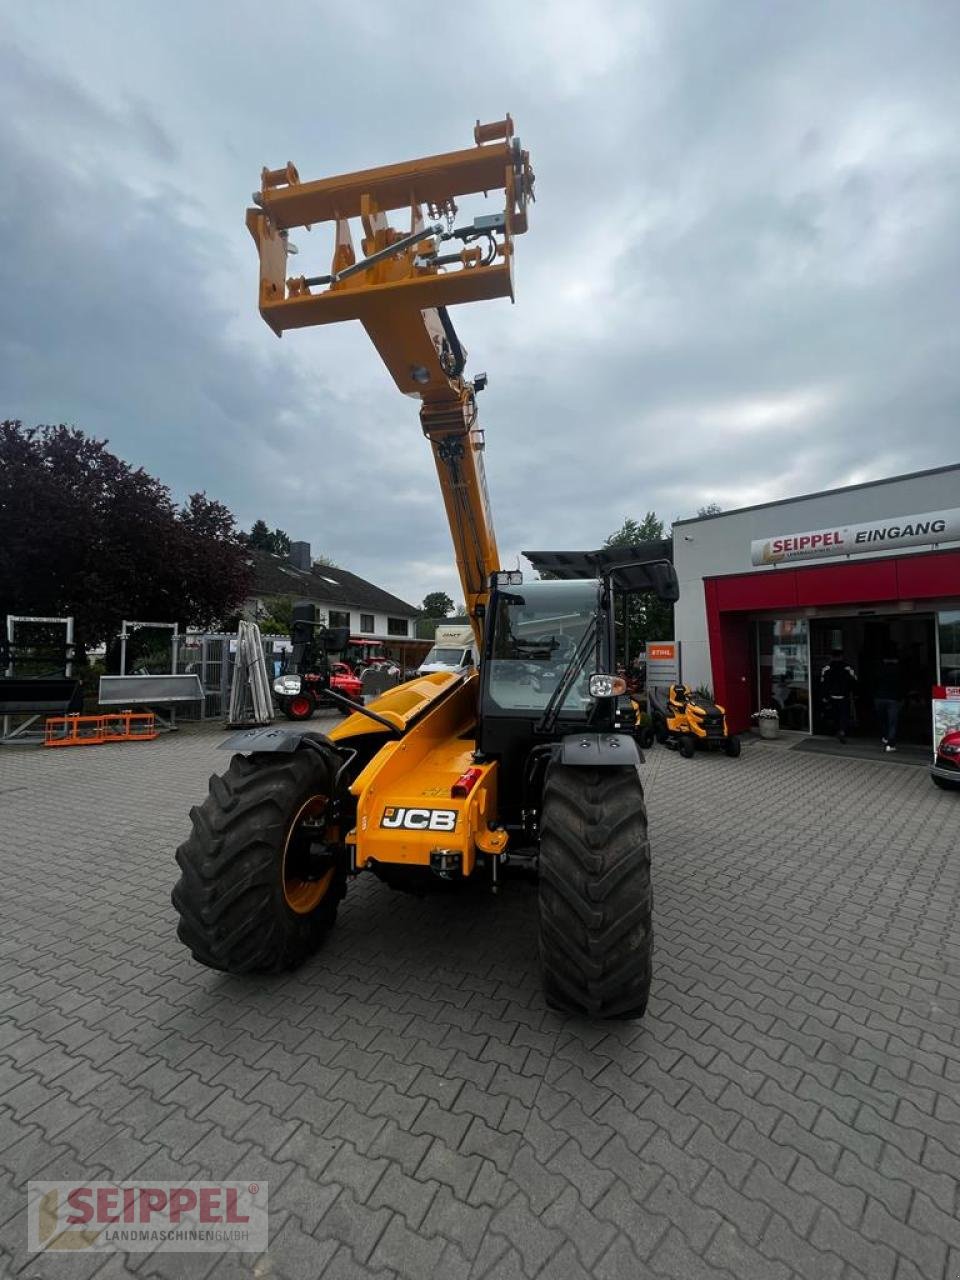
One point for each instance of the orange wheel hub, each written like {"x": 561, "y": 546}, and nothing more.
{"x": 303, "y": 888}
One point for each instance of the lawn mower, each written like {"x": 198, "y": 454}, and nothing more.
{"x": 684, "y": 719}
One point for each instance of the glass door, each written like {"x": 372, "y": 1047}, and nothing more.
{"x": 948, "y": 622}
{"x": 864, "y": 641}
{"x": 783, "y": 670}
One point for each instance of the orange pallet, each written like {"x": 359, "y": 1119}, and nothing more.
{"x": 91, "y": 731}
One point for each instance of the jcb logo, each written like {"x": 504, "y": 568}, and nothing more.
{"x": 419, "y": 819}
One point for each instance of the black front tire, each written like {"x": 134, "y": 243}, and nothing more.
{"x": 645, "y": 738}
{"x": 944, "y": 783}
{"x": 234, "y": 894}
{"x": 732, "y": 747}
{"x": 686, "y": 746}
{"x": 596, "y": 897}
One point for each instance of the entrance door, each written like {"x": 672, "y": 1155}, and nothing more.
{"x": 739, "y": 677}
{"x": 783, "y": 670}
{"x": 863, "y": 641}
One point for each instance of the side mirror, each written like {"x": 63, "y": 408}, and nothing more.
{"x": 663, "y": 580}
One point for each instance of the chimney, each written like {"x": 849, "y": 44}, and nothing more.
{"x": 300, "y": 555}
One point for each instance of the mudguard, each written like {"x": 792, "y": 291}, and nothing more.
{"x": 600, "y": 750}
{"x": 270, "y": 738}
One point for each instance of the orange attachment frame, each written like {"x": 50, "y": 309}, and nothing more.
{"x": 395, "y": 283}
{"x": 399, "y": 284}
{"x": 91, "y": 731}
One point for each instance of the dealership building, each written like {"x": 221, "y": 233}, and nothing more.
{"x": 768, "y": 593}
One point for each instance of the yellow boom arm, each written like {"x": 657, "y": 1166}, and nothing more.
{"x": 399, "y": 288}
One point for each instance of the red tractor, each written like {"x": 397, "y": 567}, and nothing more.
{"x": 299, "y": 696}
{"x": 313, "y": 680}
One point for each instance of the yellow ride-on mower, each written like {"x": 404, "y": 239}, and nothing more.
{"x": 684, "y": 719}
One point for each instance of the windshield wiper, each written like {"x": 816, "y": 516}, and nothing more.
{"x": 552, "y": 710}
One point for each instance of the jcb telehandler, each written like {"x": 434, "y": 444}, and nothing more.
{"x": 452, "y": 774}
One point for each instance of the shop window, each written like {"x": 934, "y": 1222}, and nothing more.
{"x": 948, "y": 624}
{"x": 397, "y": 626}
{"x": 366, "y": 624}
{"x": 339, "y": 619}
{"x": 783, "y": 662}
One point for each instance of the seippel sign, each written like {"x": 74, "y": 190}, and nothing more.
{"x": 855, "y": 539}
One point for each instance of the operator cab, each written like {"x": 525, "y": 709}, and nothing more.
{"x": 537, "y": 632}
{"x": 544, "y": 640}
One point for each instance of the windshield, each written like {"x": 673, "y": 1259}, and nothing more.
{"x": 450, "y": 657}
{"x": 537, "y": 629}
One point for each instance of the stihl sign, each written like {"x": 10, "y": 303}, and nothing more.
{"x": 854, "y": 539}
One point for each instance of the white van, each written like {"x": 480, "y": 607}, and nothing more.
{"x": 454, "y": 649}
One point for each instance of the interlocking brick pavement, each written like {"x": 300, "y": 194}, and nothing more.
{"x": 790, "y": 1106}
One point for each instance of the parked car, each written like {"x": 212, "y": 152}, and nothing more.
{"x": 945, "y": 771}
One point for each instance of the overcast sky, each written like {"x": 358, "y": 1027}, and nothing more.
{"x": 740, "y": 281}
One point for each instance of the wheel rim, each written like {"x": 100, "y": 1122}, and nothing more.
{"x": 303, "y": 889}
{"x": 300, "y": 706}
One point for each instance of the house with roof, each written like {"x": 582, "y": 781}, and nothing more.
{"x": 343, "y": 598}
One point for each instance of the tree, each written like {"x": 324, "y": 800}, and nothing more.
{"x": 436, "y": 604}
{"x": 262, "y": 538}
{"x": 631, "y": 532}
{"x": 647, "y": 618}
{"x": 259, "y": 536}
{"x": 84, "y": 534}
{"x": 278, "y": 619}
{"x": 711, "y": 509}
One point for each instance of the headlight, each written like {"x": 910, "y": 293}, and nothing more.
{"x": 287, "y": 685}
{"x": 603, "y": 686}
{"x": 949, "y": 749}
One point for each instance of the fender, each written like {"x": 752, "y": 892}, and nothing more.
{"x": 273, "y": 738}
{"x": 600, "y": 750}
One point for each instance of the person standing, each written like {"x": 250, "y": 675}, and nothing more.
{"x": 838, "y": 681}
{"x": 887, "y": 696}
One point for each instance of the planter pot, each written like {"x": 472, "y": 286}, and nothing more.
{"x": 769, "y": 728}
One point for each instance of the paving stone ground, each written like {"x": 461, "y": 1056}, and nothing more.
{"x": 790, "y": 1106}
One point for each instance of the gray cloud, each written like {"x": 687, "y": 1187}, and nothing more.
{"x": 739, "y": 283}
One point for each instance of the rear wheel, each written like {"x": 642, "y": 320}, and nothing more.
{"x": 645, "y": 738}
{"x": 686, "y": 746}
{"x": 596, "y": 899}
{"x": 262, "y": 872}
{"x": 732, "y": 747}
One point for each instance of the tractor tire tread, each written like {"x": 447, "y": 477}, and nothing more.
{"x": 596, "y": 934}
{"x": 233, "y": 915}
